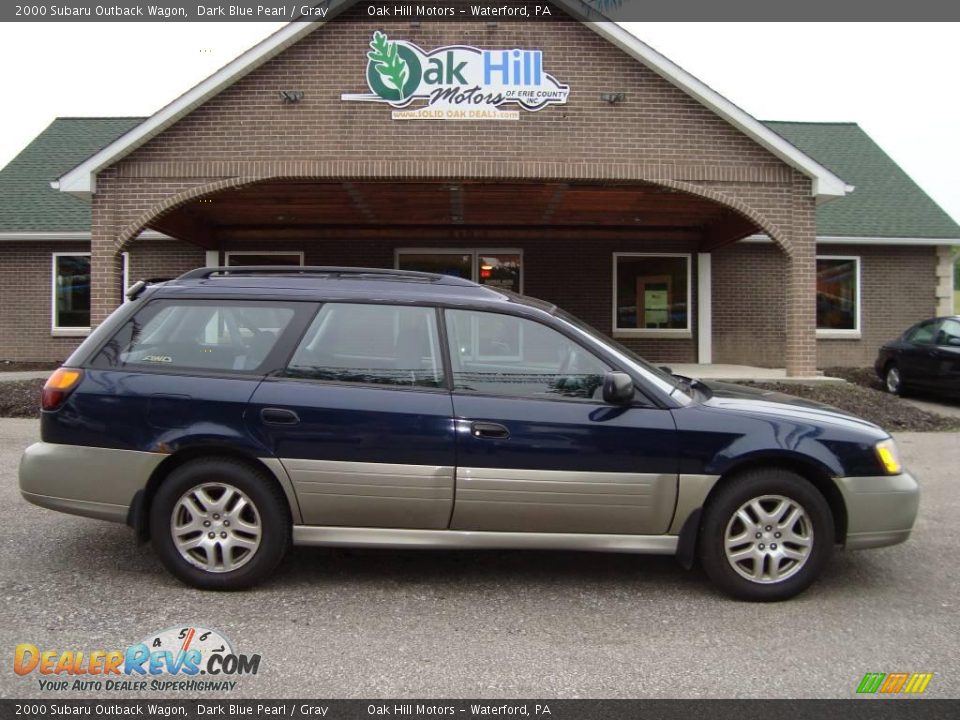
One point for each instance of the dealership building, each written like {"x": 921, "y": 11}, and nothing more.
{"x": 565, "y": 160}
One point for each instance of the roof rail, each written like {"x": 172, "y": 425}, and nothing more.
{"x": 330, "y": 271}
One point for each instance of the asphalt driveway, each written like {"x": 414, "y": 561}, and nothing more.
{"x": 340, "y": 623}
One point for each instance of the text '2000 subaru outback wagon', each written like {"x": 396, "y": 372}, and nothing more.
{"x": 232, "y": 412}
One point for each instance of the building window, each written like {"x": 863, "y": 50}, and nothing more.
{"x": 256, "y": 257}
{"x": 496, "y": 268}
{"x": 838, "y": 296}
{"x": 651, "y": 295}
{"x": 71, "y": 294}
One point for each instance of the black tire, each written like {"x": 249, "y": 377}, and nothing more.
{"x": 270, "y": 508}
{"x": 893, "y": 380}
{"x": 720, "y": 515}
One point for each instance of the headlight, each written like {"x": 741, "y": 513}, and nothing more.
{"x": 888, "y": 456}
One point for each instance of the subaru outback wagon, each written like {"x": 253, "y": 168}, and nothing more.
{"x": 230, "y": 413}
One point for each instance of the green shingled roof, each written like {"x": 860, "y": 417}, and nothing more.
{"x": 27, "y": 202}
{"x": 886, "y": 202}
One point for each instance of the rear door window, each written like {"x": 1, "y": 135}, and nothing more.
{"x": 233, "y": 336}
{"x": 371, "y": 344}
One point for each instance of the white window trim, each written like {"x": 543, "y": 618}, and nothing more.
{"x": 855, "y": 334}
{"x": 125, "y": 274}
{"x": 474, "y": 252}
{"x": 662, "y": 333}
{"x": 55, "y": 330}
{"x": 240, "y": 253}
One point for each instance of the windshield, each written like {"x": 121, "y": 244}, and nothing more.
{"x": 671, "y": 384}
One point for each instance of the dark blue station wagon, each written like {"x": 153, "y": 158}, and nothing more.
{"x": 229, "y": 413}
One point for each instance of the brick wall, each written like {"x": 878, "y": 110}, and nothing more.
{"x": 25, "y": 298}
{"x": 658, "y": 134}
{"x": 897, "y": 290}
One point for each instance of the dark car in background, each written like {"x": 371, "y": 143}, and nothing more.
{"x": 925, "y": 357}
{"x": 235, "y": 411}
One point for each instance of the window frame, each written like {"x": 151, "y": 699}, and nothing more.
{"x": 474, "y": 252}
{"x": 276, "y": 359}
{"x": 446, "y": 376}
{"x": 842, "y": 334}
{"x": 561, "y": 330}
{"x": 55, "y": 329}
{"x": 227, "y": 254}
{"x": 662, "y": 333}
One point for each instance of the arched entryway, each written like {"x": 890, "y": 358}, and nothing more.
{"x": 632, "y": 258}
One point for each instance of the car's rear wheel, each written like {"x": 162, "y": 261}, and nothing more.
{"x": 893, "y": 381}
{"x": 766, "y": 535}
{"x": 220, "y": 524}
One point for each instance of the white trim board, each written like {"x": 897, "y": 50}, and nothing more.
{"x": 858, "y": 240}
{"x": 81, "y": 180}
{"x": 66, "y": 236}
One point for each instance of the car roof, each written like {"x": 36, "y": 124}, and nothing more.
{"x": 320, "y": 283}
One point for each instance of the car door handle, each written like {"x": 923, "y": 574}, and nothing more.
{"x": 489, "y": 430}
{"x": 279, "y": 416}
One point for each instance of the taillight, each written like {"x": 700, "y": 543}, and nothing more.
{"x": 58, "y": 388}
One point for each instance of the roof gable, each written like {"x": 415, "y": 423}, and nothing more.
{"x": 27, "y": 202}
{"x": 82, "y": 178}
{"x": 886, "y": 203}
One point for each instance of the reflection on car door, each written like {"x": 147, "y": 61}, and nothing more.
{"x": 537, "y": 448}
{"x": 948, "y": 355}
{"x": 918, "y": 364}
{"x": 361, "y": 419}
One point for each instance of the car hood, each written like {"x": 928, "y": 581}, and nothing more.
{"x": 760, "y": 402}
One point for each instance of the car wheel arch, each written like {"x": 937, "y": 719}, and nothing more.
{"x": 138, "y": 516}
{"x": 806, "y": 468}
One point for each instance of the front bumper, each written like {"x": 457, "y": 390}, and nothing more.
{"x": 881, "y": 510}
{"x": 80, "y": 480}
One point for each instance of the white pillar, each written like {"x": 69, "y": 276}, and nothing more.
{"x": 944, "y": 280}
{"x": 704, "y": 309}
{"x": 213, "y": 258}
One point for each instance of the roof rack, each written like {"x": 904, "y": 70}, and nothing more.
{"x": 324, "y": 270}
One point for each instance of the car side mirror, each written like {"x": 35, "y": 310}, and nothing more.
{"x": 954, "y": 341}
{"x": 617, "y": 388}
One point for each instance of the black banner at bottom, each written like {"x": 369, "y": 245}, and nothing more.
{"x": 854, "y": 709}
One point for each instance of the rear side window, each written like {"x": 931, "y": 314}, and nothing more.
{"x": 198, "y": 335}
{"x": 371, "y": 344}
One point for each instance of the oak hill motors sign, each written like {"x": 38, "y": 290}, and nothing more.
{"x": 456, "y": 82}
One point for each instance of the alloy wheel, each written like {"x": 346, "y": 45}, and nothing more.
{"x": 216, "y": 527}
{"x": 768, "y": 539}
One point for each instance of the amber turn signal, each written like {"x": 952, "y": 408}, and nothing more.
{"x": 58, "y": 387}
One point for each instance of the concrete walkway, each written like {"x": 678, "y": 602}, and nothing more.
{"x": 741, "y": 373}
{"x": 13, "y": 376}
{"x": 946, "y": 408}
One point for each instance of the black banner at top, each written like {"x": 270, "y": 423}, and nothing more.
{"x": 489, "y": 11}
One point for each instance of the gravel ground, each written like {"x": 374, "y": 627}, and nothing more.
{"x": 345, "y": 623}
{"x": 888, "y": 411}
{"x": 20, "y": 398}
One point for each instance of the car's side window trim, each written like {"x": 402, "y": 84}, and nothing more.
{"x": 302, "y": 313}
{"x": 280, "y": 373}
{"x": 641, "y": 398}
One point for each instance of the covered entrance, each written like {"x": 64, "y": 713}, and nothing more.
{"x": 632, "y": 259}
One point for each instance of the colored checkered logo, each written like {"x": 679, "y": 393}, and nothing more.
{"x": 894, "y": 683}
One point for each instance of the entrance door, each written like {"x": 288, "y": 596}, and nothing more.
{"x": 361, "y": 419}
{"x": 537, "y": 448}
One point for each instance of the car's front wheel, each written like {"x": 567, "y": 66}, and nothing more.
{"x": 766, "y": 535}
{"x": 220, "y": 524}
{"x": 893, "y": 381}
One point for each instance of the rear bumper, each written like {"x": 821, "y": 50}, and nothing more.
{"x": 89, "y": 481}
{"x": 881, "y": 510}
